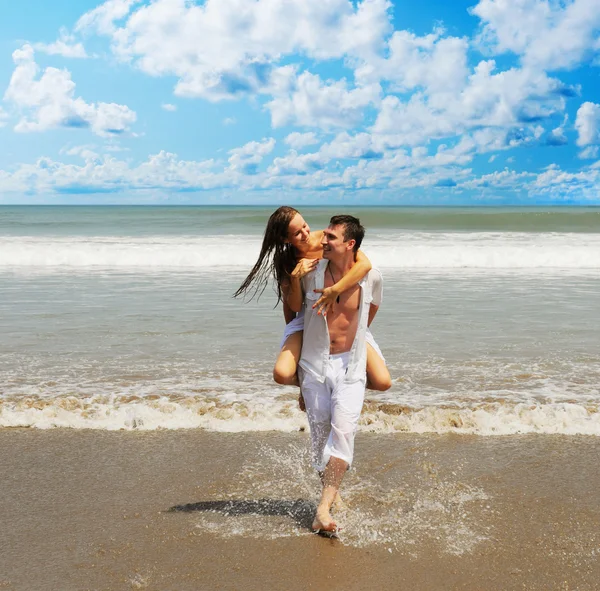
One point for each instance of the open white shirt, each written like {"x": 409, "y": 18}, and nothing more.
{"x": 316, "y": 343}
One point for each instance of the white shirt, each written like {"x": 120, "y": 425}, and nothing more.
{"x": 316, "y": 342}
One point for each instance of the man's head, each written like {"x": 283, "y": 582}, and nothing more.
{"x": 343, "y": 237}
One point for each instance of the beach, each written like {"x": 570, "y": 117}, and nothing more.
{"x": 85, "y": 509}
{"x": 144, "y": 445}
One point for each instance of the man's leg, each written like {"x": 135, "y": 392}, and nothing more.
{"x": 332, "y": 479}
{"x": 317, "y": 397}
{"x": 346, "y": 405}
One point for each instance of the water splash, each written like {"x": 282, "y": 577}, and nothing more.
{"x": 422, "y": 511}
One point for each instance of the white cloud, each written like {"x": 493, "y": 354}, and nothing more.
{"x": 65, "y": 45}
{"x": 554, "y": 181}
{"x": 3, "y": 117}
{"x": 515, "y": 99}
{"x": 49, "y": 101}
{"x": 589, "y": 153}
{"x": 432, "y": 62}
{"x": 503, "y": 179}
{"x": 229, "y": 121}
{"x": 226, "y": 48}
{"x": 297, "y": 140}
{"x": 247, "y": 158}
{"x": 87, "y": 153}
{"x": 547, "y": 34}
{"x": 587, "y": 124}
{"x": 169, "y": 107}
{"x": 557, "y": 137}
{"x": 307, "y": 101}
{"x": 107, "y": 174}
{"x": 102, "y": 18}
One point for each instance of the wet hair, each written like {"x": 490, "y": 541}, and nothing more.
{"x": 277, "y": 257}
{"x": 353, "y": 230}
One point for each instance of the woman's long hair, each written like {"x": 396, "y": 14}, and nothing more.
{"x": 277, "y": 257}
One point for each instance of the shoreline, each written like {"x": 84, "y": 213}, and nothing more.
{"x": 85, "y": 509}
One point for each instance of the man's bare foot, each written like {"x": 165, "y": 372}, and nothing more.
{"x": 323, "y": 521}
{"x": 338, "y": 503}
{"x": 301, "y": 402}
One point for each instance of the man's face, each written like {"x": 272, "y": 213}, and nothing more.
{"x": 333, "y": 242}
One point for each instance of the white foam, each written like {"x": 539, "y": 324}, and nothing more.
{"x": 283, "y": 415}
{"x": 403, "y": 518}
{"x": 407, "y": 250}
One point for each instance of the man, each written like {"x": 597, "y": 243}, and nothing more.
{"x": 333, "y": 359}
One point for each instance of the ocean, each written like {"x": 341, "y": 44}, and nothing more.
{"x": 122, "y": 318}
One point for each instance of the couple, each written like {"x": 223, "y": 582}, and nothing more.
{"x": 330, "y": 296}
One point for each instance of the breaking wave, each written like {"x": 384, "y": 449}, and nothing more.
{"x": 177, "y": 412}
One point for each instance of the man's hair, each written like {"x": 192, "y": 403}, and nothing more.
{"x": 352, "y": 228}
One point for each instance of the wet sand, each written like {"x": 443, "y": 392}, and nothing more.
{"x": 196, "y": 510}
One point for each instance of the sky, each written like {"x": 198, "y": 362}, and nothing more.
{"x": 436, "y": 102}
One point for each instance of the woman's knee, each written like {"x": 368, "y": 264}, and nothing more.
{"x": 285, "y": 374}
{"x": 380, "y": 383}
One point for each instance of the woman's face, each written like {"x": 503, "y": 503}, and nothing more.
{"x": 298, "y": 231}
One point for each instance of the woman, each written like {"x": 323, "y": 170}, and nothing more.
{"x": 289, "y": 251}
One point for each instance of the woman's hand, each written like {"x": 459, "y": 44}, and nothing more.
{"x": 304, "y": 267}
{"x": 325, "y": 302}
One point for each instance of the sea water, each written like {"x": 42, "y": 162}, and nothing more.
{"x": 123, "y": 318}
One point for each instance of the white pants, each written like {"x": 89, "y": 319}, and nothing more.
{"x": 333, "y": 409}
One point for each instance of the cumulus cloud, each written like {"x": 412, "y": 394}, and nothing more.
{"x": 102, "y": 19}
{"x": 502, "y": 179}
{"x": 400, "y": 170}
{"x": 432, "y": 62}
{"x": 297, "y": 140}
{"x": 3, "y": 117}
{"x": 65, "y": 45}
{"x": 589, "y": 153}
{"x": 307, "y": 101}
{"x": 546, "y": 34}
{"x": 555, "y": 181}
{"x": 557, "y": 137}
{"x": 169, "y": 107}
{"x": 49, "y": 101}
{"x": 587, "y": 124}
{"x": 223, "y": 49}
{"x": 247, "y": 158}
{"x": 510, "y": 103}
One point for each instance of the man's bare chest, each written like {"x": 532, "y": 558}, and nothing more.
{"x": 348, "y": 302}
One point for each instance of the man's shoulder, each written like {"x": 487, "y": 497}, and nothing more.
{"x": 374, "y": 276}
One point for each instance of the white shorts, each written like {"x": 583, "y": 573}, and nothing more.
{"x": 333, "y": 409}
{"x": 297, "y": 325}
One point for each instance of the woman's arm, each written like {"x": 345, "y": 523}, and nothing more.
{"x": 293, "y": 297}
{"x": 288, "y": 313}
{"x": 293, "y": 294}
{"x": 331, "y": 294}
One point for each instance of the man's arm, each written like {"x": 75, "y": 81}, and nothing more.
{"x": 372, "y": 311}
{"x": 376, "y": 292}
{"x": 330, "y": 294}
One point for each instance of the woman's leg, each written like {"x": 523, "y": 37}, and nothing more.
{"x": 286, "y": 366}
{"x": 378, "y": 376}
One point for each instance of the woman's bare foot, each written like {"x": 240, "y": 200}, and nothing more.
{"x": 323, "y": 521}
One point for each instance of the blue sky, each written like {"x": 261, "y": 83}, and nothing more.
{"x": 314, "y": 101}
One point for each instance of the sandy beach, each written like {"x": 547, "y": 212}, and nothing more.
{"x": 198, "y": 510}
